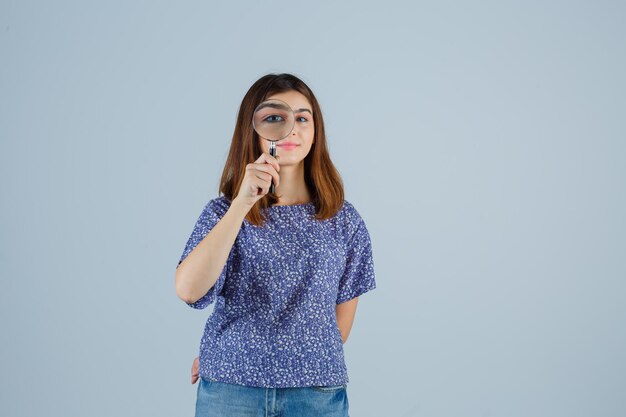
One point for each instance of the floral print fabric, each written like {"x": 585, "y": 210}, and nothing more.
{"x": 274, "y": 323}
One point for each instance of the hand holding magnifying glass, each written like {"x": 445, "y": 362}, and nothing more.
{"x": 273, "y": 120}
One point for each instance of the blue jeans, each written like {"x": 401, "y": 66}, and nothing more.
{"x": 221, "y": 399}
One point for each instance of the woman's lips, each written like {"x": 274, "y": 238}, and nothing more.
{"x": 288, "y": 147}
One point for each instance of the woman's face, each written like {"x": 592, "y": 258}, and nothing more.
{"x": 302, "y": 133}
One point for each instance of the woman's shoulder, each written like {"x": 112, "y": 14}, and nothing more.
{"x": 350, "y": 217}
{"x": 349, "y": 211}
{"x": 218, "y": 205}
{"x": 350, "y": 223}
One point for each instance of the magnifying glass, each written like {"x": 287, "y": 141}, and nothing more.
{"x": 273, "y": 120}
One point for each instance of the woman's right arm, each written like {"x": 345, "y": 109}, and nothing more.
{"x": 203, "y": 266}
{"x": 200, "y": 270}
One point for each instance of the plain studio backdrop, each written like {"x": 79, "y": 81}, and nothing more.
{"x": 483, "y": 143}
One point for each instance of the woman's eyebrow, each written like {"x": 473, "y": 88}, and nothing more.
{"x": 303, "y": 110}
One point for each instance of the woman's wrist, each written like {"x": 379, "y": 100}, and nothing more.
{"x": 239, "y": 206}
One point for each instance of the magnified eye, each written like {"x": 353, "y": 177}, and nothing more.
{"x": 273, "y": 118}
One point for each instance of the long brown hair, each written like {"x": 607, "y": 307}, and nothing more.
{"x": 320, "y": 175}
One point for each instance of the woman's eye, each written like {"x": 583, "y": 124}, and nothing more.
{"x": 273, "y": 118}
{"x": 302, "y": 117}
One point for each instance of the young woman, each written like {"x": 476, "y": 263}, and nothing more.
{"x": 285, "y": 270}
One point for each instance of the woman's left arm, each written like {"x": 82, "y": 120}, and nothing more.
{"x": 345, "y": 317}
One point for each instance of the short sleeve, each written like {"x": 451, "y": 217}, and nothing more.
{"x": 358, "y": 277}
{"x": 210, "y": 216}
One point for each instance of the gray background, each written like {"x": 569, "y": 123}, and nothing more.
{"x": 482, "y": 142}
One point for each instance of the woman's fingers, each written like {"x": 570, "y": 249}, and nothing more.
{"x": 269, "y": 169}
{"x": 267, "y": 178}
{"x": 194, "y": 370}
{"x": 264, "y": 186}
{"x": 258, "y": 176}
{"x": 267, "y": 158}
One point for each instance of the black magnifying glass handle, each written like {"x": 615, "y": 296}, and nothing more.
{"x": 273, "y": 153}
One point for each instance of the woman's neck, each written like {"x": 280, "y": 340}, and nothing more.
{"x": 292, "y": 186}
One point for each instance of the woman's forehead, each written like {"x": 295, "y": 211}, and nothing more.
{"x": 296, "y": 100}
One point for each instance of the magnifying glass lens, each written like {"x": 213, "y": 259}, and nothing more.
{"x": 273, "y": 120}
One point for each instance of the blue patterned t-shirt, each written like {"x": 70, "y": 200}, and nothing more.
{"x": 274, "y": 323}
